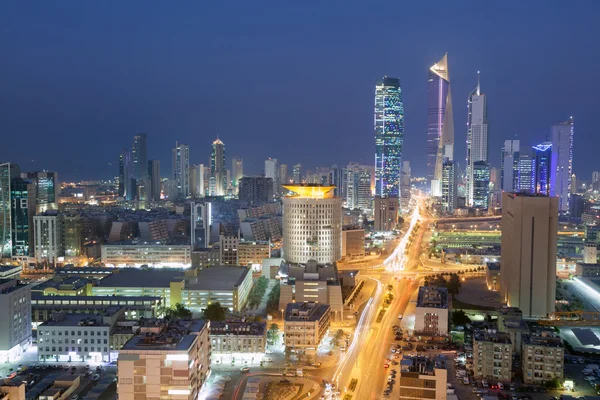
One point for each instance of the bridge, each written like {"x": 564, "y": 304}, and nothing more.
{"x": 571, "y": 318}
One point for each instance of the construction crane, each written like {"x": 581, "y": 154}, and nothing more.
{"x": 572, "y": 318}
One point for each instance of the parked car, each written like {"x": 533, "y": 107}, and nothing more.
{"x": 244, "y": 369}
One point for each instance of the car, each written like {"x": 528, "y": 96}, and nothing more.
{"x": 73, "y": 368}
{"x": 98, "y": 368}
{"x": 269, "y": 351}
{"x": 267, "y": 359}
{"x": 245, "y": 369}
{"x": 95, "y": 377}
{"x": 87, "y": 367}
{"x": 74, "y": 397}
{"x": 386, "y": 365}
{"x": 513, "y": 396}
{"x": 512, "y": 388}
{"x": 87, "y": 374}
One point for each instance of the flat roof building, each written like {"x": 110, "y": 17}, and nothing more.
{"x": 542, "y": 357}
{"x": 149, "y": 254}
{"x": 431, "y": 312}
{"x": 306, "y": 324}
{"x": 492, "y": 355}
{"x": 15, "y": 319}
{"x": 229, "y": 338}
{"x": 423, "y": 378}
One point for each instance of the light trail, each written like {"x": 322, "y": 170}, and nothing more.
{"x": 396, "y": 260}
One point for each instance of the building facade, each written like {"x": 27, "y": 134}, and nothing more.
{"x": 358, "y": 189}
{"x": 449, "y": 187}
{"x": 542, "y": 358}
{"x": 431, "y": 312}
{"x": 509, "y": 168}
{"x": 481, "y": 185}
{"x": 218, "y": 172}
{"x": 238, "y": 337}
{"x": 477, "y": 136}
{"x": 305, "y": 325}
{"x": 15, "y": 319}
{"x": 386, "y": 210}
{"x": 48, "y": 237}
{"x": 152, "y": 255}
{"x": 492, "y": 356}
{"x": 542, "y": 168}
{"x": 562, "y": 163}
{"x": 256, "y": 190}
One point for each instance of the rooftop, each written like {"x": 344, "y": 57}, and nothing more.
{"x": 62, "y": 319}
{"x": 491, "y": 335}
{"x": 135, "y": 277}
{"x": 238, "y": 328}
{"x": 219, "y": 278}
{"x": 10, "y": 285}
{"x": 306, "y": 311}
{"x": 544, "y": 338}
{"x": 432, "y": 297}
{"x": 421, "y": 365}
{"x": 164, "y": 335}
{"x": 311, "y": 191}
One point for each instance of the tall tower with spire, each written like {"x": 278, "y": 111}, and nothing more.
{"x": 440, "y": 123}
{"x": 218, "y": 174}
{"x": 477, "y": 136}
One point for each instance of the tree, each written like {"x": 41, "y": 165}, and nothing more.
{"x": 179, "y": 311}
{"x": 554, "y": 383}
{"x": 214, "y": 312}
{"x": 454, "y": 284}
{"x": 459, "y": 318}
{"x": 272, "y": 332}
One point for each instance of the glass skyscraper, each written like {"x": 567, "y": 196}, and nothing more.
{"x": 481, "y": 184}
{"x": 449, "y": 187}
{"x": 526, "y": 177}
{"x": 562, "y": 163}
{"x": 389, "y": 136}
{"x": 509, "y": 166}
{"x": 181, "y": 170}
{"x": 8, "y": 172}
{"x": 541, "y": 165}
{"x": 477, "y": 135}
{"x": 440, "y": 121}
{"x": 218, "y": 175}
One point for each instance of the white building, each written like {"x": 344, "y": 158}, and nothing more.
{"x": 312, "y": 224}
{"x": 181, "y": 170}
{"x": 239, "y": 341}
{"x": 431, "y": 312}
{"x": 48, "y": 237}
{"x": 358, "y": 192}
{"x": 509, "y": 180}
{"x": 423, "y": 378}
{"x": 477, "y": 136}
{"x": 152, "y": 255}
{"x": 272, "y": 171}
{"x": 562, "y": 163}
{"x": 305, "y": 325}
{"x": 165, "y": 360}
{"x": 15, "y": 319}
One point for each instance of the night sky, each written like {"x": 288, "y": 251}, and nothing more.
{"x": 285, "y": 79}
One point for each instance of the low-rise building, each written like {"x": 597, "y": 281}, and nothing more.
{"x": 238, "y": 337}
{"x": 492, "y": 276}
{"x": 510, "y": 320}
{"x": 423, "y": 378}
{"x": 206, "y": 258}
{"x": 353, "y": 244}
{"x": 166, "y": 360}
{"x": 63, "y": 286}
{"x": 149, "y": 254}
{"x": 492, "y": 355}
{"x": 431, "y": 312}
{"x": 306, "y": 324}
{"x": 587, "y": 270}
{"x": 15, "y": 319}
{"x": 542, "y": 357}
{"x": 253, "y": 253}
{"x": 10, "y": 271}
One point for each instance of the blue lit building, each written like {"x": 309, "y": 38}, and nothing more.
{"x": 542, "y": 172}
{"x": 389, "y": 135}
{"x": 481, "y": 184}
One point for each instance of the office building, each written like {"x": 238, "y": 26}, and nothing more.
{"x": 576, "y": 206}
{"x": 237, "y": 170}
{"x": 353, "y": 244}
{"x": 47, "y": 189}
{"x": 492, "y": 355}
{"x": 139, "y": 156}
{"x": 477, "y": 137}
{"x": 252, "y": 253}
{"x": 127, "y": 185}
{"x": 8, "y": 172}
{"x": 22, "y": 210}
{"x": 166, "y": 360}
{"x": 542, "y": 357}
{"x": 48, "y": 237}
{"x": 228, "y": 247}
{"x": 542, "y": 169}
{"x": 201, "y": 219}
{"x": 197, "y": 181}
{"x": 358, "y": 192}
{"x": 238, "y": 337}
{"x": 283, "y": 174}
{"x": 154, "y": 230}
{"x": 181, "y": 170}
{"x": 15, "y": 319}
{"x": 338, "y": 177}
{"x": 405, "y": 185}
{"x": 256, "y": 190}
{"x": 421, "y": 377}
{"x": 509, "y": 166}
{"x": 154, "y": 178}
{"x": 440, "y": 121}
{"x": 297, "y": 173}
{"x": 431, "y": 312}
{"x": 150, "y": 254}
{"x": 218, "y": 173}
{"x": 387, "y": 210}
{"x": 312, "y": 224}
{"x": 389, "y": 136}
{"x": 449, "y": 187}
{"x": 72, "y": 235}
{"x": 526, "y": 174}
{"x": 305, "y": 325}
{"x": 562, "y": 163}
{"x": 272, "y": 171}
{"x": 528, "y": 254}
{"x": 481, "y": 185}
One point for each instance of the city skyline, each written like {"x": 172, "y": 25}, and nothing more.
{"x": 102, "y": 106}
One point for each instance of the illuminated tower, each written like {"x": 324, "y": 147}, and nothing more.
{"x": 218, "y": 174}
{"x": 389, "y": 134}
{"x": 562, "y": 163}
{"x": 181, "y": 169}
{"x": 542, "y": 170}
{"x": 440, "y": 122}
{"x": 477, "y": 136}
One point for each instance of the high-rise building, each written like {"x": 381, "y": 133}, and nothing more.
{"x": 201, "y": 219}
{"x": 237, "y": 170}
{"x": 477, "y": 135}
{"x": 48, "y": 237}
{"x": 338, "y": 177}
{"x": 596, "y": 180}
{"x": 526, "y": 174}
{"x": 23, "y": 208}
{"x": 197, "y": 180}
{"x": 449, "y": 187}
{"x": 297, "y": 172}
{"x": 509, "y": 166}
{"x": 528, "y": 254}
{"x": 386, "y": 213}
{"x": 256, "y": 190}
{"x": 542, "y": 168}
{"x": 15, "y": 329}
{"x": 139, "y": 156}
{"x": 72, "y": 235}
{"x": 312, "y": 224}
{"x": 574, "y": 184}
{"x": 562, "y": 163}
{"x": 272, "y": 171}
{"x": 440, "y": 121}
{"x": 218, "y": 174}
{"x": 127, "y": 186}
{"x": 405, "y": 185}
{"x": 154, "y": 178}
{"x": 283, "y": 173}
{"x": 389, "y": 136}
{"x": 358, "y": 194}
{"x": 481, "y": 185}
{"x": 181, "y": 169}
{"x": 47, "y": 189}
{"x": 8, "y": 172}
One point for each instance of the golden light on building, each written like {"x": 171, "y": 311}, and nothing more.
{"x": 310, "y": 191}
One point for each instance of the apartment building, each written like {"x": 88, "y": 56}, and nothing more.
{"x": 306, "y": 324}
{"x": 431, "y": 312}
{"x": 542, "y": 357}
{"x": 423, "y": 378}
{"x": 492, "y": 355}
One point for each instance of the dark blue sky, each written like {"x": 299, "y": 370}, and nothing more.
{"x": 285, "y": 79}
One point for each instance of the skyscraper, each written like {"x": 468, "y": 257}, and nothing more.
{"x": 237, "y": 170}
{"x": 283, "y": 173}
{"x": 389, "y": 135}
{"x": 47, "y": 189}
{"x": 181, "y": 170}
{"x": 197, "y": 181}
{"x": 477, "y": 135}
{"x": 272, "y": 171}
{"x": 139, "y": 156}
{"x": 449, "y": 187}
{"x": 218, "y": 174}
{"x": 297, "y": 172}
{"x": 526, "y": 174}
{"x": 8, "y": 172}
{"x": 358, "y": 194}
{"x": 509, "y": 165}
{"x": 23, "y": 208}
{"x": 542, "y": 170}
{"x": 405, "y": 185}
{"x": 562, "y": 163}
{"x": 481, "y": 185}
{"x": 528, "y": 253}
{"x": 440, "y": 122}
{"x": 339, "y": 179}
{"x": 154, "y": 178}
{"x": 127, "y": 185}
{"x": 256, "y": 190}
